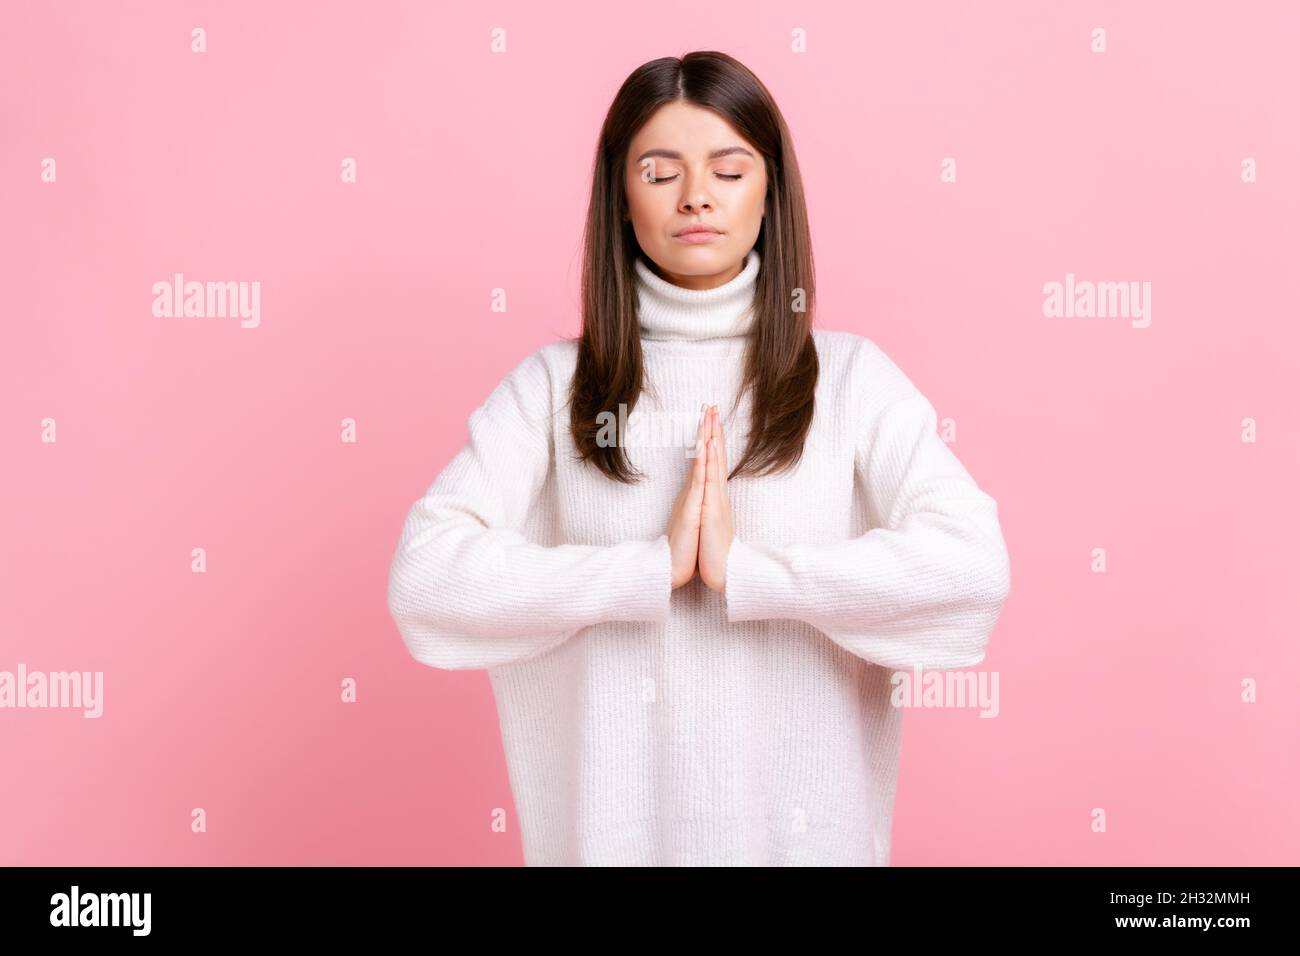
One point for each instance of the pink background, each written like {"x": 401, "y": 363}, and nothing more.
{"x": 222, "y": 690}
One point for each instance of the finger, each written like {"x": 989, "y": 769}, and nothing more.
{"x": 701, "y": 430}
{"x": 723, "y": 467}
{"x": 711, "y": 477}
{"x": 713, "y": 423}
{"x": 695, "y": 482}
{"x": 698, "y": 468}
{"x": 721, "y": 450}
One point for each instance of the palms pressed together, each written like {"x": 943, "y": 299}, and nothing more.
{"x": 700, "y": 530}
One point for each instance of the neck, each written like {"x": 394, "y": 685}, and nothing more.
{"x": 672, "y": 313}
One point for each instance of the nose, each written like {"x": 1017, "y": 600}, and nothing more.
{"x": 696, "y": 198}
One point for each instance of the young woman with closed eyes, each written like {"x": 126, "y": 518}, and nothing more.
{"x": 692, "y": 660}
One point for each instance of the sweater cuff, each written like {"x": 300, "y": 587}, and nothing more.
{"x": 753, "y": 585}
{"x": 644, "y": 592}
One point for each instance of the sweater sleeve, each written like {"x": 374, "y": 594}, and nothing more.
{"x": 468, "y": 590}
{"x": 925, "y": 586}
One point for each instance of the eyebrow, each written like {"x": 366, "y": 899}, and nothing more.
{"x": 716, "y": 154}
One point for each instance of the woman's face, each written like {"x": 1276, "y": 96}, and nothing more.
{"x": 687, "y": 166}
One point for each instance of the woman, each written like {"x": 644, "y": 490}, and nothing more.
{"x": 692, "y": 663}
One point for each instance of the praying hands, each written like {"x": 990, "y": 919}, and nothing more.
{"x": 700, "y": 531}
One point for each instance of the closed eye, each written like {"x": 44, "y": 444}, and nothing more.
{"x": 726, "y": 176}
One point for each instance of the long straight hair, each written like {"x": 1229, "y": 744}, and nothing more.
{"x": 780, "y": 358}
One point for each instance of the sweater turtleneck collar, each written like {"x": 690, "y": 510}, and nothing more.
{"x": 672, "y": 313}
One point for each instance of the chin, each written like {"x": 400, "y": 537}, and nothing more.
{"x": 706, "y": 253}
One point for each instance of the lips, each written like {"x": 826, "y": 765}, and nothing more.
{"x": 698, "y": 230}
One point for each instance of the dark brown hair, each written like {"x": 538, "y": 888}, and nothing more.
{"x": 781, "y": 359}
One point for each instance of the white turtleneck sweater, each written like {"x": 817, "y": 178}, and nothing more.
{"x": 644, "y": 725}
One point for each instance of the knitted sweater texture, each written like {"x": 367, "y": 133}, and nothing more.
{"x": 646, "y": 725}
